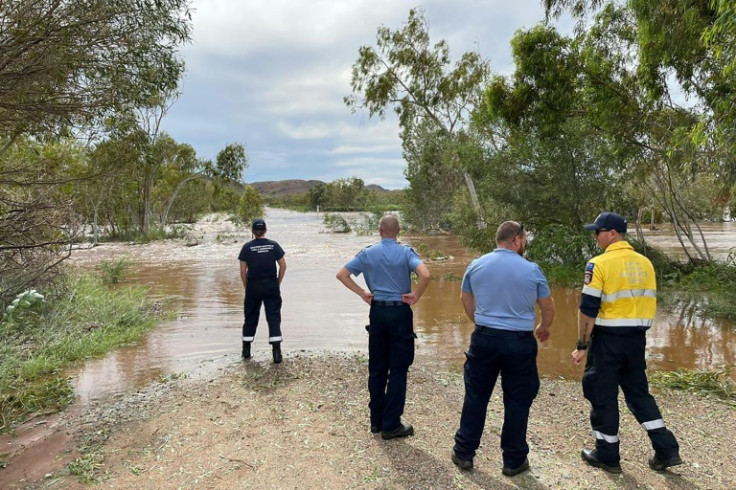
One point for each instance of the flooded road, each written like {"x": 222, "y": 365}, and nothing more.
{"x": 319, "y": 314}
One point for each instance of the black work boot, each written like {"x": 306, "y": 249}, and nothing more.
{"x": 277, "y": 353}
{"x": 246, "y": 350}
{"x": 590, "y": 456}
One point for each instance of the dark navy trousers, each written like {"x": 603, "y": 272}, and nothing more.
{"x": 618, "y": 360}
{"x": 513, "y": 355}
{"x": 390, "y": 353}
{"x": 267, "y": 292}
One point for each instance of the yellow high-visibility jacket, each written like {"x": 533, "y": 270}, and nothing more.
{"x": 626, "y": 285}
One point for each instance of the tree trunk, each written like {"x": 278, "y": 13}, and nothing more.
{"x": 474, "y": 200}
{"x": 95, "y": 227}
{"x": 170, "y": 201}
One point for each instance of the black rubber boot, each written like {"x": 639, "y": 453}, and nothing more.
{"x": 277, "y": 353}
{"x": 246, "y": 350}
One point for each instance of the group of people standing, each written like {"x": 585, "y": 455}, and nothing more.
{"x": 499, "y": 293}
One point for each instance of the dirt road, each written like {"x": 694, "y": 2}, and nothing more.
{"x": 304, "y": 424}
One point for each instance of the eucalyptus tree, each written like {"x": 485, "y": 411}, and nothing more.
{"x": 406, "y": 73}
{"x": 66, "y": 67}
{"x": 661, "y": 78}
{"x": 37, "y": 221}
{"x": 72, "y": 62}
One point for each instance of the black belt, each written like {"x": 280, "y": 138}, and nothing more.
{"x": 377, "y": 302}
{"x": 499, "y": 332}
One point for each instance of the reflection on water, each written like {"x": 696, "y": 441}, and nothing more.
{"x": 320, "y": 314}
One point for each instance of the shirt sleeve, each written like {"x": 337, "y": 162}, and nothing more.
{"x": 279, "y": 251}
{"x": 242, "y": 256}
{"x": 590, "y": 301}
{"x": 543, "y": 290}
{"x": 355, "y": 265}
{"x": 466, "y": 287}
{"x": 413, "y": 258}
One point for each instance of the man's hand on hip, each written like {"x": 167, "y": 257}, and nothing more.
{"x": 410, "y": 298}
{"x": 366, "y": 296}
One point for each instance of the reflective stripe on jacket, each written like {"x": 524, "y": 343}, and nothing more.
{"x": 625, "y": 282}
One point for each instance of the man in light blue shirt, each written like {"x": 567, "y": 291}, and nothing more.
{"x": 387, "y": 268}
{"x": 499, "y": 291}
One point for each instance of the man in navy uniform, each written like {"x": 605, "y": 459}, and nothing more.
{"x": 387, "y": 268}
{"x": 617, "y": 307}
{"x": 498, "y": 293}
{"x": 258, "y": 259}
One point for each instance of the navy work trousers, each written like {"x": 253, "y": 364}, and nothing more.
{"x": 390, "y": 353}
{"x": 618, "y": 360}
{"x": 262, "y": 291}
{"x": 513, "y": 355}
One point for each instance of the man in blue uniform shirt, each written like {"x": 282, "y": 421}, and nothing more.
{"x": 258, "y": 259}
{"x": 387, "y": 268}
{"x": 499, "y": 291}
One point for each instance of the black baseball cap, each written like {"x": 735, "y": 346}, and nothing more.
{"x": 608, "y": 221}
{"x": 258, "y": 225}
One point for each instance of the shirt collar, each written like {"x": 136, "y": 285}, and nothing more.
{"x": 620, "y": 245}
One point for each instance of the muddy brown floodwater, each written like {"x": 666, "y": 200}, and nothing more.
{"x": 319, "y": 314}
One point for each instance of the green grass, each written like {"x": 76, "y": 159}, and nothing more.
{"x": 82, "y": 319}
{"x": 714, "y": 383}
{"x": 114, "y": 271}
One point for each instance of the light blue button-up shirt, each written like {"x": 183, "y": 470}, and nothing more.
{"x": 505, "y": 286}
{"x": 387, "y": 268}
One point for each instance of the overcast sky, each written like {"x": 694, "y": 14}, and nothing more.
{"x": 272, "y": 75}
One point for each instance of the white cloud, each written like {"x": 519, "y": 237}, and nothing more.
{"x": 273, "y": 74}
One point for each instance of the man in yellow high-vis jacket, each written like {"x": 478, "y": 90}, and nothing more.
{"x": 617, "y": 307}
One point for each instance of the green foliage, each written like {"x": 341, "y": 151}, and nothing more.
{"x": 231, "y": 163}
{"x": 415, "y": 78}
{"x": 432, "y": 182}
{"x": 558, "y": 244}
{"x": 637, "y": 63}
{"x": 83, "y": 61}
{"x": 114, "y": 271}
{"x": 347, "y": 194}
{"x": 429, "y": 253}
{"x": 26, "y": 303}
{"x": 249, "y": 207}
{"x": 336, "y": 223}
{"x": 295, "y": 202}
{"x": 81, "y": 319}
{"x": 716, "y": 383}
{"x": 84, "y": 467}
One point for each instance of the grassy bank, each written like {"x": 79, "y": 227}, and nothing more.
{"x": 83, "y": 318}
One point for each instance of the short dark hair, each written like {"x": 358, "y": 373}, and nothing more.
{"x": 507, "y": 231}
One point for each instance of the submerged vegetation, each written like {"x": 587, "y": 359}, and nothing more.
{"x": 341, "y": 195}
{"x": 82, "y": 317}
{"x": 714, "y": 383}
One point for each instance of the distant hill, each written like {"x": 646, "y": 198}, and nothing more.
{"x": 294, "y": 186}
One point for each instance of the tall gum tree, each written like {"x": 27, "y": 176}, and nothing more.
{"x": 414, "y": 78}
